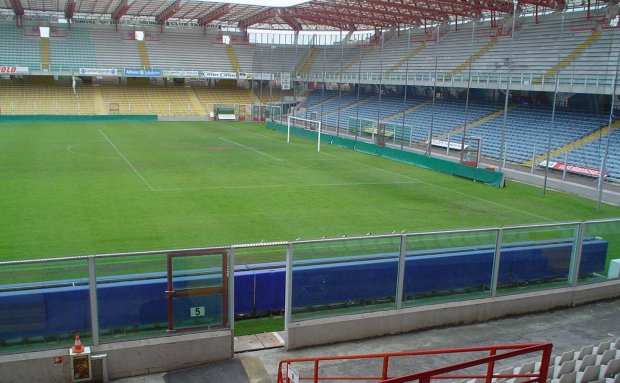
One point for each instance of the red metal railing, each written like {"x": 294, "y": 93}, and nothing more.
{"x": 308, "y": 369}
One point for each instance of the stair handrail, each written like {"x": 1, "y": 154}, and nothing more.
{"x": 512, "y": 350}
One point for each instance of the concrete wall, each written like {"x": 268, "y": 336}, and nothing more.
{"x": 124, "y": 359}
{"x": 359, "y": 326}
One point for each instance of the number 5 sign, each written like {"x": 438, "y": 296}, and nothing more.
{"x": 197, "y": 311}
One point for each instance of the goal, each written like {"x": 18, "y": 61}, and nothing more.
{"x": 305, "y": 124}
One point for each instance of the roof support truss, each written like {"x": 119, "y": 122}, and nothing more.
{"x": 258, "y": 18}
{"x": 168, "y": 12}
{"x": 215, "y": 14}
{"x": 69, "y": 9}
{"x": 19, "y": 11}
{"x": 290, "y": 20}
{"x": 120, "y": 11}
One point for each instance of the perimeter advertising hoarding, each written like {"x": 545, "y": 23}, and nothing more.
{"x": 575, "y": 169}
{"x": 143, "y": 72}
{"x": 98, "y": 72}
{"x": 224, "y": 75}
{"x": 181, "y": 73}
{"x": 13, "y": 69}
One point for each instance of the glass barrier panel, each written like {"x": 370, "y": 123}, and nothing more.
{"x": 448, "y": 266}
{"x": 535, "y": 258}
{"x": 260, "y": 281}
{"x": 600, "y": 252}
{"x": 43, "y": 305}
{"x": 343, "y": 277}
{"x": 198, "y": 292}
{"x": 131, "y": 298}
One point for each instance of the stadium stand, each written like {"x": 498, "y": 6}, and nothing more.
{"x": 72, "y": 51}
{"x": 45, "y": 99}
{"x": 167, "y": 101}
{"x": 13, "y": 42}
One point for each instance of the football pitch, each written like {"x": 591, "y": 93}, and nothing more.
{"x": 93, "y": 187}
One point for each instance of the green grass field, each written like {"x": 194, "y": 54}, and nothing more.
{"x": 87, "y": 188}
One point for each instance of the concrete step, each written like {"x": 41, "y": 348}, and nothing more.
{"x": 245, "y": 369}
{"x": 259, "y": 341}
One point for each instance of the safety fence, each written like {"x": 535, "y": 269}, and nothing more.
{"x": 114, "y": 297}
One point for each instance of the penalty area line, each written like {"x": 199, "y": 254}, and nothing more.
{"x": 252, "y": 149}
{"x": 281, "y": 186}
{"x": 127, "y": 161}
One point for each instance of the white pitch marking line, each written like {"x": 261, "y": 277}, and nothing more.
{"x": 248, "y": 148}
{"x": 127, "y": 161}
{"x": 456, "y": 192}
{"x": 295, "y": 185}
{"x": 437, "y": 186}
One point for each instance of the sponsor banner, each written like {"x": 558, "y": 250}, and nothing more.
{"x": 181, "y": 73}
{"x": 285, "y": 77}
{"x": 446, "y": 144}
{"x": 575, "y": 169}
{"x": 98, "y": 72}
{"x": 143, "y": 72}
{"x": 13, "y": 69}
{"x": 263, "y": 76}
{"x": 246, "y": 76}
{"x": 227, "y": 75}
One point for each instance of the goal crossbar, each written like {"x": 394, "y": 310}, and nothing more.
{"x": 302, "y": 123}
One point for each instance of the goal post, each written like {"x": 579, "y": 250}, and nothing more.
{"x": 305, "y": 124}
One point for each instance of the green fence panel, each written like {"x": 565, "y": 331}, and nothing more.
{"x": 54, "y": 117}
{"x": 326, "y": 138}
{"x": 365, "y": 147}
{"x": 343, "y": 142}
{"x": 488, "y": 177}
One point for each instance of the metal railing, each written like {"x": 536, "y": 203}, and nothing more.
{"x": 309, "y": 369}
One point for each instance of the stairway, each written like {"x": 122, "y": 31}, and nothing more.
{"x": 144, "y": 54}
{"x": 485, "y": 48}
{"x": 99, "y": 105}
{"x": 232, "y": 56}
{"x": 475, "y": 123}
{"x": 367, "y": 51}
{"x": 311, "y": 58}
{"x": 404, "y": 59}
{"x": 411, "y": 109}
{"x": 45, "y": 53}
{"x": 575, "y": 144}
{"x": 570, "y": 57}
{"x": 195, "y": 101}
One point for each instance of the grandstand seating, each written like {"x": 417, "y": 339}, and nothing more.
{"x": 209, "y": 97}
{"x": 18, "y": 50}
{"x": 595, "y": 363}
{"x": 111, "y": 49}
{"x": 166, "y": 101}
{"x": 74, "y": 51}
{"x": 45, "y": 99}
{"x": 527, "y": 127}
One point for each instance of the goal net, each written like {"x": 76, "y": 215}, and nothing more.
{"x": 306, "y": 125}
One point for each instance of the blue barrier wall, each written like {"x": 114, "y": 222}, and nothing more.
{"x": 48, "y": 311}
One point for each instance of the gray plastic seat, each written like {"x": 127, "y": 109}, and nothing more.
{"x": 566, "y": 368}
{"x": 586, "y": 350}
{"x": 567, "y": 378}
{"x": 590, "y": 374}
{"x": 565, "y": 357}
{"x": 611, "y": 370}
{"x": 589, "y": 360}
{"x": 607, "y": 357}
{"x": 602, "y": 347}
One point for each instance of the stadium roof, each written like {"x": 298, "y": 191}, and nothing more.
{"x": 312, "y": 15}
